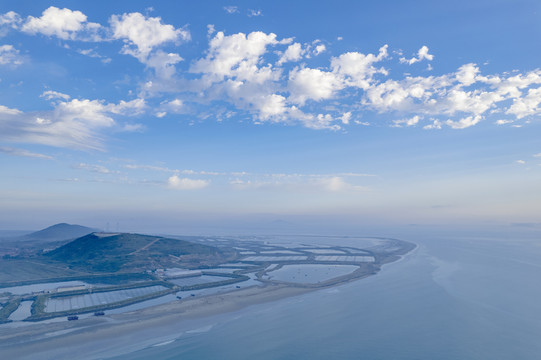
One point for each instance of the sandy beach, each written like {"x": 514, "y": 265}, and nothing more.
{"x": 93, "y": 337}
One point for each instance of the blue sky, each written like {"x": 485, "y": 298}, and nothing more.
{"x": 162, "y": 115}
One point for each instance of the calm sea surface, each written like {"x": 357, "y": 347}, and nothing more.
{"x": 475, "y": 298}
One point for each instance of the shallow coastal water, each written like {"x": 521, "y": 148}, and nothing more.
{"x": 450, "y": 299}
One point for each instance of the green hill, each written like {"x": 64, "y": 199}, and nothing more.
{"x": 135, "y": 252}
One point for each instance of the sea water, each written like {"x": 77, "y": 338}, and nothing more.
{"x": 467, "y": 298}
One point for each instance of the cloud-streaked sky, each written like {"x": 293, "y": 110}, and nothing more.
{"x": 151, "y": 113}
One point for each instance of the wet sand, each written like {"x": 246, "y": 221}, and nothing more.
{"x": 95, "y": 337}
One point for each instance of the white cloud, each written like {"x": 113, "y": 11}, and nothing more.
{"x": 320, "y": 49}
{"x": 312, "y": 84}
{"x": 177, "y": 183}
{"x": 464, "y": 123}
{"x": 537, "y": 155}
{"x": 358, "y": 69}
{"x": 128, "y": 108}
{"x": 4, "y": 110}
{"x": 252, "y": 13}
{"x": 210, "y": 30}
{"x": 346, "y": 117}
{"x": 50, "y": 94}
{"x": 231, "y": 9}
{"x": 503, "y": 122}
{"x": 421, "y": 54}
{"x": 24, "y": 153}
{"x": 93, "y": 168}
{"x": 271, "y": 105}
{"x": 62, "y": 23}
{"x": 240, "y": 74}
{"x": 9, "y": 20}
{"x": 436, "y": 125}
{"x": 163, "y": 63}
{"x": 94, "y": 54}
{"x": 236, "y": 55}
{"x": 526, "y": 105}
{"x": 133, "y": 128}
{"x": 143, "y": 35}
{"x": 294, "y": 52}
{"x": 445, "y": 96}
{"x": 76, "y": 123}
{"x": 467, "y": 74}
{"x": 175, "y": 106}
{"x": 408, "y": 122}
{"x": 10, "y": 56}
{"x": 521, "y": 162}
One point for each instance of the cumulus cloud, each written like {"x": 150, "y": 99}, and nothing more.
{"x": 464, "y": 123}
{"x": 250, "y": 74}
{"x": 62, "y": 23}
{"x": 236, "y": 55}
{"x": 320, "y": 49}
{"x": 346, "y": 117}
{"x": 128, "y": 108}
{"x": 526, "y": 105}
{"x": 10, "y": 56}
{"x": 357, "y": 69}
{"x": 421, "y": 54}
{"x": 312, "y": 84}
{"x": 142, "y": 34}
{"x": 177, "y": 183}
{"x": 407, "y": 122}
{"x": 294, "y": 52}
{"x": 8, "y": 21}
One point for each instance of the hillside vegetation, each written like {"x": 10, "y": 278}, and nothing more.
{"x": 104, "y": 252}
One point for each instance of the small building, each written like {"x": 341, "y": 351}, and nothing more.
{"x": 70, "y": 288}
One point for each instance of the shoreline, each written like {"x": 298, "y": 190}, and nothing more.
{"x": 63, "y": 338}
{"x": 114, "y": 334}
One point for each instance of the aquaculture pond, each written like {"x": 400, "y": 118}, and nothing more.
{"x": 309, "y": 274}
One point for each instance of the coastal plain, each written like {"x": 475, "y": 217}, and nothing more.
{"x": 153, "y": 289}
